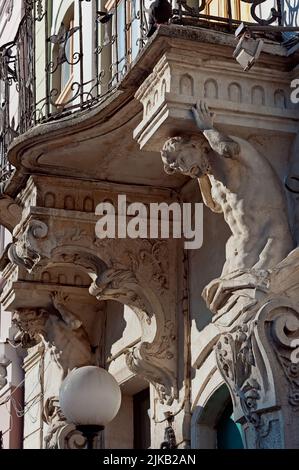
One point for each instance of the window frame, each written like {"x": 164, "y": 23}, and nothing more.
{"x": 66, "y": 91}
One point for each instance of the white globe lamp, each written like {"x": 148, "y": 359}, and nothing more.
{"x": 90, "y": 398}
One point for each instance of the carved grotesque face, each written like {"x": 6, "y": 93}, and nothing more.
{"x": 185, "y": 155}
{"x": 31, "y": 326}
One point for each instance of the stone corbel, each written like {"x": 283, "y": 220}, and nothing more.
{"x": 135, "y": 273}
{"x": 59, "y": 330}
{"x": 168, "y": 93}
{"x": 10, "y": 213}
{"x": 277, "y": 327}
{"x": 155, "y": 357}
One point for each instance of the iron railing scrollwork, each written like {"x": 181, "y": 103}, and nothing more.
{"x": 275, "y": 13}
{"x": 202, "y": 12}
{"x": 33, "y": 64}
{"x": 28, "y": 99}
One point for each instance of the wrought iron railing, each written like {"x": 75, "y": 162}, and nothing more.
{"x": 55, "y": 66}
{"x": 230, "y": 18}
{"x": 17, "y": 65}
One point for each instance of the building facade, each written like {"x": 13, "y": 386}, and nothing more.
{"x": 11, "y": 373}
{"x": 202, "y": 341}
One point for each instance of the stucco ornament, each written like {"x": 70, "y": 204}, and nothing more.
{"x": 140, "y": 280}
{"x": 136, "y": 273}
{"x": 257, "y": 358}
{"x": 236, "y": 180}
{"x": 59, "y": 330}
{"x": 60, "y": 434}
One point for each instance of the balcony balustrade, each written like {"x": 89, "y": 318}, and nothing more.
{"x": 51, "y": 69}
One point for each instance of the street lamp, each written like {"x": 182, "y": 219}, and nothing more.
{"x": 90, "y": 398}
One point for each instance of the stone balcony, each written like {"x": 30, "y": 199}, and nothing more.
{"x": 66, "y": 167}
{"x": 177, "y": 66}
{"x": 198, "y": 64}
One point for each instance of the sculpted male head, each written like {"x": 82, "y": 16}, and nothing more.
{"x": 187, "y": 155}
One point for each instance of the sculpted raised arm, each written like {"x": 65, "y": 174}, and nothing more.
{"x": 220, "y": 143}
{"x": 60, "y": 303}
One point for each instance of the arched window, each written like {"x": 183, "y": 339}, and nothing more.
{"x": 213, "y": 426}
{"x": 229, "y": 433}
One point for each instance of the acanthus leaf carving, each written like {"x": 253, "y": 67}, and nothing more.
{"x": 149, "y": 367}
{"x": 236, "y": 361}
{"x": 257, "y": 357}
{"x": 60, "y": 434}
{"x": 155, "y": 256}
{"x": 154, "y": 357}
{"x": 135, "y": 273}
{"x": 139, "y": 278}
{"x": 147, "y": 260}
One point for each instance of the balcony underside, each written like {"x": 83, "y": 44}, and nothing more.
{"x": 98, "y": 144}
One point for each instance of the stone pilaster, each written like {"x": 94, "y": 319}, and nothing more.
{"x": 258, "y": 359}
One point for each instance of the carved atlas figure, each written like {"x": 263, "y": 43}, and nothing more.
{"x": 236, "y": 180}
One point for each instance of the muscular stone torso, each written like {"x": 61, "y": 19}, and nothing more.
{"x": 253, "y": 203}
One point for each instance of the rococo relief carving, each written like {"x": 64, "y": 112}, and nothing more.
{"x": 136, "y": 273}
{"x": 140, "y": 279}
{"x": 25, "y": 252}
{"x": 259, "y": 361}
{"x": 59, "y": 330}
{"x": 60, "y": 435}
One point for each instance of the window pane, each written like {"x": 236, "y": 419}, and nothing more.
{"x": 121, "y": 34}
{"x": 66, "y": 68}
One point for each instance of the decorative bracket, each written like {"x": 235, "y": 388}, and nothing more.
{"x": 155, "y": 357}
{"x": 137, "y": 273}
